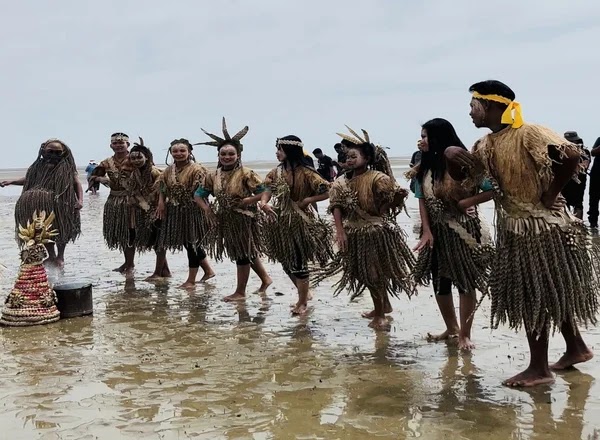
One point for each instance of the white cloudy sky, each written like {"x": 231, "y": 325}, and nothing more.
{"x": 80, "y": 70}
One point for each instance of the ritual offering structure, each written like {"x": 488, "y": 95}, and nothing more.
{"x": 32, "y": 301}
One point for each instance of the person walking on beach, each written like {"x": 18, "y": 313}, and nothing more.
{"x": 594, "y": 186}
{"x": 295, "y": 235}
{"x": 543, "y": 276}
{"x": 183, "y": 225}
{"x": 236, "y": 221}
{"x": 455, "y": 246}
{"x": 115, "y": 172}
{"x": 574, "y": 190}
{"x": 89, "y": 170}
{"x": 372, "y": 250}
{"x": 51, "y": 184}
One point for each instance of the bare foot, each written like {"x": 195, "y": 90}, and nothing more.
{"x": 442, "y": 336}
{"x": 299, "y": 309}
{"x": 60, "y": 263}
{"x": 529, "y": 378}
{"x": 371, "y": 314}
{"x": 310, "y": 295}
{"x": 569, "y": 359}
{"x": 264, "y": 286}
{"x": 235, "y": 297}
{"x": 154, "y": 277}
{"x": 380, "y": 323}
{"x": 188, "y": 285}
{"x": 124, "y": 268}
{"x": 207, "y": 276}
{"x": 465, "y": 344}
{"x": 166, "y": 273}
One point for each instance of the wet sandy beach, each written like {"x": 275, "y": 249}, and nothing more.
{"x": 158, "y": 362}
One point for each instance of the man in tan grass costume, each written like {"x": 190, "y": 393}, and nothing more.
{"x": 544, "y": 275}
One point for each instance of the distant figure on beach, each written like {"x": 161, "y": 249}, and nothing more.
{"x": 51, "y": 184}
{"x": 236, "y": 231}
{"x": 455, "y": 247}
{"x": 414, "y": 161}
{"x": 594, "y": 186}
{"x": 142, "y": 188}
{"x": 325, "y": 169}
{"x": 92, "y": 186}
{"x": 340, "y": 163}
{"x": 574, "y": 191}
{"x": 183, "y": 225}
{"x": 295, "y": 235}
{"x": 545, "y": 271}
{"x": 115, "y": 172}
{"x": 372, "y": 250}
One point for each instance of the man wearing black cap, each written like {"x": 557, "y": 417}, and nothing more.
{"x": 594, "y": 185}
{"x": 574, "y": 191}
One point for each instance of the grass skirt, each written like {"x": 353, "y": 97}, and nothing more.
{"x": 464, "y": 260}
{"x": 377, "y": 257}
{"x": 116, "y": 222}
{"x": 183, "y": 224}
{"x": 295, "y": 237}
{"x": 67, "y": 221}
{"x": 544, "y": 276}
{"x": 236, "y": 236}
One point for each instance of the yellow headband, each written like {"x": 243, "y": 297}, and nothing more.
{"x": 507, "y": 117}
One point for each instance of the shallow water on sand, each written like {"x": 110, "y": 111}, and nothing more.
{"x": 157, "y": 362}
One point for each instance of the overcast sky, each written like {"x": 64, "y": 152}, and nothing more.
{"x": 80, "y": 70}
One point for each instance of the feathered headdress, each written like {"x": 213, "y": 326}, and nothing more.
{"x": 355, "y": 138}
{"x": 226, "y": 139}
{"x": 380, "y": 159}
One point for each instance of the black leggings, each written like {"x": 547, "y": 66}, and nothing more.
{"x": 195, "y": 255}
{"x": 442, "y": 285}
{"x": 243, "y": 261}
{"x": 299, "y": 268}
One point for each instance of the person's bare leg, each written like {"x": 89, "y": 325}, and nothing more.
{"x": 208, "y": 271}
{"x": 446, "y": 306}
{"x": 161, "y": 262}
{"x": 467, "y": 307}
{"x": 166, "y": 272}
{"x": 301, "y": 305}
{"x": 259, "y": 268}
{"x": 129, "y": 264}
{"x": 538, "y": 372}
{"x": 60, "y": 256}
{"x": 577, "y": 352}
{"x": 243, "y": 273}
{"x": 191, "y": 280}
{"x": 379, "y": 322}
{"x": 387, "y": 308}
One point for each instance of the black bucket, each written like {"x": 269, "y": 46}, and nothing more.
{"x": 74, "y": 299}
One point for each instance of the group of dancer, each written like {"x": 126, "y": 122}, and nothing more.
{"x": 541, "y": 271}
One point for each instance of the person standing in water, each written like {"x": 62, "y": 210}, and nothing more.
{"x": 52, "y": 184}
{"x": 544, "y": 275}
{"x": 142, "y": 188}
{"x": 236, "y": 220}
{"x": 455, "y": 246}
{"x": 183, "y": 225}
{"x": 295, "y": 235}
{"x": 373, "y": 254}
{"x": 115, "y": 172}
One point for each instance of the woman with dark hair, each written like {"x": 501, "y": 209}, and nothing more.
{"x": 455, "y": 246}
{"x": 183, "y": 225}
{"x": 142, "y": 187}
{"x": 295, "y": 235}
{"x": 51, "y": 184}
{"x": 373, "y": 253}
{"x": 236, "y": 220}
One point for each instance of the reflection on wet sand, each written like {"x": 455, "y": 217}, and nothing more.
{"x": 156, "y": 361}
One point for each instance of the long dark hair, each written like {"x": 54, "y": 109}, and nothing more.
{"x": 294, "y": 154}
{"x": 440, "y": 135}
